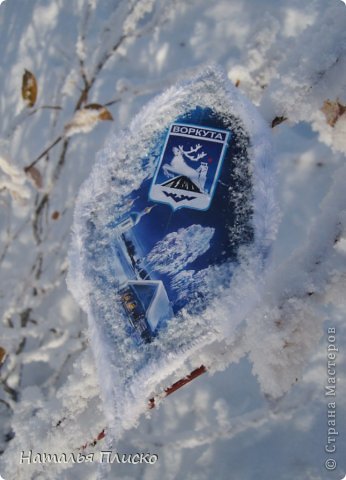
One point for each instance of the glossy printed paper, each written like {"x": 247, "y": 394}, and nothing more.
{"x": 176, "y": 236}
{"x": 189, "y": 166}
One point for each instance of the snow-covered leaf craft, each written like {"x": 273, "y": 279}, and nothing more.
{"x": 172, "y": 233}
{"x": 85, "y": 119}
{"x": 29, "y": 88}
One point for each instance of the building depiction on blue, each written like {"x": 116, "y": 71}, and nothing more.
{"x": 147, "y": 305}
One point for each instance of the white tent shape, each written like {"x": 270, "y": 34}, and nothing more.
{"x": 153, "y": 297}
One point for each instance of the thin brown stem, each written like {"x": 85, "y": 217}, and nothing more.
{"x": 48, "y": 149}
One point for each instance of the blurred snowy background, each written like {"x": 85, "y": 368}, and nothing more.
{"x": 265, "y": 416}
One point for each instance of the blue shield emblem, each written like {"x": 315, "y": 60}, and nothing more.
{"x": 189, "y": 166}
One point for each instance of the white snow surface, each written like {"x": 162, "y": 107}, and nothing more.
{"x": 265, "y": 415}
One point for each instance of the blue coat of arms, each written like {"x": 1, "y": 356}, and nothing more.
{"x": 189, "y": 166}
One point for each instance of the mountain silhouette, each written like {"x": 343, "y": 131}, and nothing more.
{"x": 182, "y": 183}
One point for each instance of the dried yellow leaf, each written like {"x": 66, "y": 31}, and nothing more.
{"x": 278, "y": 120}
{"x": 35, "y": 175}
{"x": 85, "y": 119}
{"x": 333, "y": 111}
{"x": 103, "y": 113}
{"x": 2, "y": 355}
{"x": 29, "y": 88}
{"x": 94, "y": 106}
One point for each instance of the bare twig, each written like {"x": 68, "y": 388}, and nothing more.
{"x": 11, "y": 391}
{"x": 33, "y": 163}
{"x": 51, "y": 107}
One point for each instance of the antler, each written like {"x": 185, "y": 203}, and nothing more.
{"x": 200, "y": 155}
{"x": 193, "y": 150}
{"x": 197, "y": 147}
